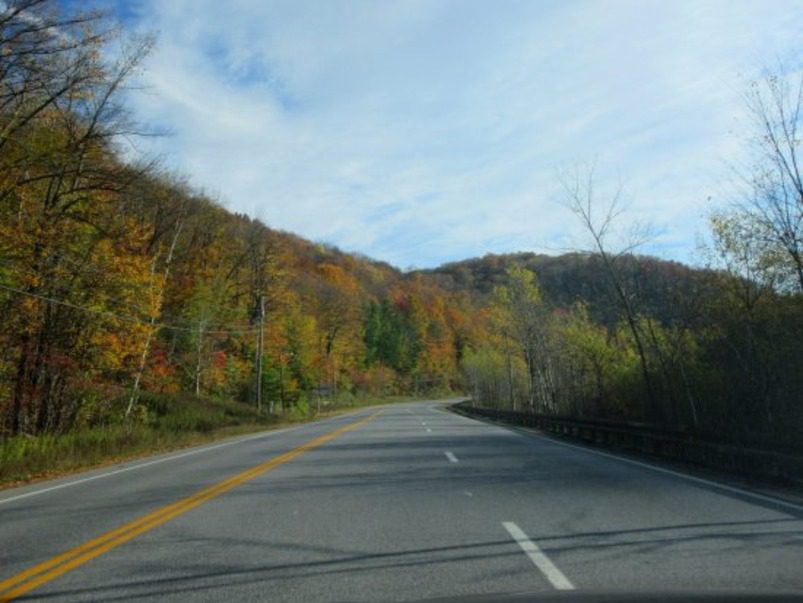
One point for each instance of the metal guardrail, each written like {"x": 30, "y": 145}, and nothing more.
{"x": 649, "y": 440}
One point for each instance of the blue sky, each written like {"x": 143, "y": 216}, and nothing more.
{"x": 422, "y": 131}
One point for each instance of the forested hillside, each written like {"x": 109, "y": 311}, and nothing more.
{"x": 702, "y": 351}
{"x": 570, "y": 278}
{"x": 121, "y": 283}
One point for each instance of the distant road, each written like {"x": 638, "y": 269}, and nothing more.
{"x": 407, "y": 503}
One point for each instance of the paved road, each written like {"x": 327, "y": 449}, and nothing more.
{"x": 412, "y": 503}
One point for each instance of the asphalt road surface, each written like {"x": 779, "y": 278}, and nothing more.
{"x": 408, "y": 502}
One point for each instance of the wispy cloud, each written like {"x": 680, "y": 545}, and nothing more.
{"x": 421, "y": 131}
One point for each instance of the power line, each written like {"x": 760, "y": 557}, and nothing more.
{"x": 129, "y": 319}
{"x": 39, "y": 275}
{"x": 186, "y": 325}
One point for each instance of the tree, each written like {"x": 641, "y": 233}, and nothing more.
{"x": 59, "y": 180}
{"x": 518, "y": 313}
{"x": 156, "y": 295}
{"x": 336, "y": 295}
{"x": 599, "y": 221}
{"x": 390, "y": 337}
{"x": 588, "y": 348}
{"x": 773, "y": 208}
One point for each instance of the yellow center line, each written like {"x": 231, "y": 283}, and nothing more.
{"x": 25, "y": 581}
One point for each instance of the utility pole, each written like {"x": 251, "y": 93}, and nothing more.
{"x": 281, "y": 380}
{"x": 260, "y": 342}
{"x": 334, "y": 379}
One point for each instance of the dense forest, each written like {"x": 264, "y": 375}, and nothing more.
{"x": 118, "y": 280}
{"x": 702, "y": 351}
{"x": 120, "y": 283}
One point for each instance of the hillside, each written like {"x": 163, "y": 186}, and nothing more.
{"x": 121, "y": 283}
{"x": 564, "y": 280}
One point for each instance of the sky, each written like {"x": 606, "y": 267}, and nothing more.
{"x": 420, "y": 132}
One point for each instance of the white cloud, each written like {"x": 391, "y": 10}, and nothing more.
{"x": 419, "y": 132}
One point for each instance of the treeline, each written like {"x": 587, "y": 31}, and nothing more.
{"x": 580, "y": 277}
{"x": 119, "y": 281}
{"x": 611, "y": 335}
{"x": 727, "y": 365}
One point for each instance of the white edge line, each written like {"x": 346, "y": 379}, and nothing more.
{"x": 450, "y": 456}
{"x": 454, "y": 413}
{"x": 172, "y": 457}
{"x": 540, "y": 560}
{"x": 700, "y": 480}
{"x": 747, "y": 493}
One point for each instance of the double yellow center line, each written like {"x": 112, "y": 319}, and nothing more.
{"x": 25, "y": 581}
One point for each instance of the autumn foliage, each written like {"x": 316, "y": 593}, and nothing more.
{"x": 119, "y": 279}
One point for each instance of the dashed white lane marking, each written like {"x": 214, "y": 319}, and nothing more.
{"x": 429, "y": 430}
{"x": 450, "y": 456}
{"x": 467, "y": 493}
{"x": 423, "y": 422}
{"x": 539, "y": 559}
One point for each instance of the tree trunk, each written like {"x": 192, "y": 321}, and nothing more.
{"x": 143, "y": 359}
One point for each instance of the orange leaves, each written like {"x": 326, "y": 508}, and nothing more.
{"x": 161, "y": 373}
{"x": 339, "y": 277}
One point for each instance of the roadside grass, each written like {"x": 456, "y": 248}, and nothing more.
{"x": 172, "y": 421}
